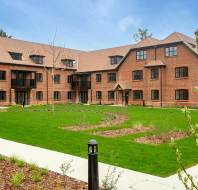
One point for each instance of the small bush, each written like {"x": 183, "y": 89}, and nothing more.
{"x": 36, "y": 176}
{"x": 43, "y": 171}
{"x": 17, "y": 179}
{"x": 34, "y": 167}
{"x": 13, "y": 159}
{"x": 20, "y": 163}
{"x": 2, "y": 158}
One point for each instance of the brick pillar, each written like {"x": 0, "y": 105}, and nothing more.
{"x": 12, "y": 97}
{"x": 32, "y": 96}
{"x": 77, "y": 97}
{"x": 89, "y": 96}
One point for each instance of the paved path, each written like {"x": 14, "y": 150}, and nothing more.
{"x": 52, "y": 160}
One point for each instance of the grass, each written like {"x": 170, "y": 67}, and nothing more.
{"x": 17, "y": 179}
{"x": 38, "y": 126}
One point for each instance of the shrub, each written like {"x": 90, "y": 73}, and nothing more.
{"x": 17, "y": 179}
{"x": 36, "y": 176}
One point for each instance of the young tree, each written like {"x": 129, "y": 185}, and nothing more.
{"x": 4, "y": 34}
{"x": 142, "y": 34}
{"x": 196, "y": 37}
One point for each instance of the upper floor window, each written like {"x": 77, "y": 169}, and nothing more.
{"x": 111, "y": 77}
{"x": 68, "y": 62}
{"x": 141, "y": 55}
{"x": 38, "y": 59}
{"x": 155, "y": 73}
{"x": 181, "y": 72}
{"x": 154, "y": 94}
{"x": 171, "y": 51}
{"x": 115, "y": 59}
{"x": 69, "y": 79}
{"x": 137, "y": 75}
{"x": 2, "y": 75}
{"x": 39, "y": 77}
{"x": 111, "y": 95}
{"x": 98, "y": 77}
{"x": 16, "y": 56}
{"x": 57, "y": 95}
{"x": 181, "y": 94}
{"x": 2, "y": 95}
{"x": 56, "y": 79}
{"x": 98, "y": 95}
{"x": 138, "y": 94}
{"x": 39, "y": 95}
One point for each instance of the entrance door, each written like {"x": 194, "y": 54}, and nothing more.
{"x": 126, "y": 97}
{"x": 84, "y": 97}
{"x": 22, "y": 97}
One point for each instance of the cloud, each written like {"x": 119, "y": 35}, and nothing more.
{"x": 127, "y": 22}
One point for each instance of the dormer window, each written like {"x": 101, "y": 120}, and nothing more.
{"x": 38, "y": 59}
{"x": 68, "y": 62}
{"x": 115, "y": 59}
{"x": 16, "y": 56}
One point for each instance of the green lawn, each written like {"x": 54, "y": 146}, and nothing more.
{"x": 38, "y": 126}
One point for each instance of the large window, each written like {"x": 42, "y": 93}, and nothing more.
{"x": 141, "y": 55}
{"x": 155, "y": 73}
{"x": 111, "y": 77}
{"x": 68, "y": 62}
{"x": 56, "y": 79}
{"x": 16, "y": 56}
{"x": 137, "y": 75}
{"x": 39, "y": 77}
{"x": 111, "y": 95}
{"x": 98, "y": 95}
{"x": 181, "y": 94}
{"x": 98, "y": 77}
{"x": 2, "y": 75}
{"x": 38, "y": 59}
{"x": 154, "y": 94}
{"x": 2, "y": 95}
{"x": 171, "y": 51}
{"x": 138, "y": 94}
{"x": 181, "y": 72}
{"x": 115, "y": 59}
{"x": 57, "y": 95}
{"x": 39, "y": 95}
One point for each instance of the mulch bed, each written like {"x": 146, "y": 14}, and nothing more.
{"x": 163, "y": 138}
{"x": 49, "y": 181}
{"x": 110, "y": 120}
{"x": 124, "y": 131}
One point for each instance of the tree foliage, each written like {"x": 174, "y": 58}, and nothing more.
{"x": 196, "y": 36}
{"x": 4, "y": 34}
{"x": 142, "y": 34}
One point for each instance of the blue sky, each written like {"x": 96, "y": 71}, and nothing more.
{"x": 95, "y": 24}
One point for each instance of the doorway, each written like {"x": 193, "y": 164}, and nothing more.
{"x": 22, "y": 97}
{"x": 126, "y": 97}
{"x": 84, "y": 97}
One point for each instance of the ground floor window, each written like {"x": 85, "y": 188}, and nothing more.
{"x": 39, "y": 95}
{"x": 138, "y": 94}
{"x": 111, "y": 95}
{"x": 2, "y": 95}
{"x": 57, "y": 95}
{"x": 181, "y": 94}
{"x": 69, "y": 95}
{"x": 154, "y": 94}
{"x": 98, "y": 95}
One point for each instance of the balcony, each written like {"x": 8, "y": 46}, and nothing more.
{"x": 23, "y": 83}
{"x": 81, "y": 85}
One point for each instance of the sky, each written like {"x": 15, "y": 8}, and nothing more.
{"x": 95, "y": 24}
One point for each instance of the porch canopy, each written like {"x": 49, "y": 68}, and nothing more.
{"x": 122, "y": 85}
{"x": 155, "y": 63}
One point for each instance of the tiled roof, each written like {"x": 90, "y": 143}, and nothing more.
{"x": 155, "y": 63}
{"x": 123, "y": 85}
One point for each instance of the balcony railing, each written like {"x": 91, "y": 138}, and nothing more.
{"x": 81, "y": 85}
{"x": 23, "y": 83}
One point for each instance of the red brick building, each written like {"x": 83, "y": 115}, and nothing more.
{"x": 152, "y": 72}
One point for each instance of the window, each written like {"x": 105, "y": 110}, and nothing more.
{"x": 154, "y": 94}
{"x": 181, "y": 94}
{"x": 56, "y": 79}
{"x": 38, "y": 59}
{"x": 16, "y": 56}
{"x": 141, "y": 55}
{"x": 69, "y": 79}
{"x": 138, "y": 94}
{"x": 154, "y": 73}
{"x": 2, "y": 75}
{"x": 69, "y": 95}
{"x": 98, "y": 95}
{"x": 57, "y": 95}
{"x": 68, "y": 62}
{"x": 39, "y": 95}
{"x": 98, "y": 77}
{"x": 181, "y": 72}
{"x": 111, "y": 77}
{"x": 39, "y": 77}
{"x": 115, "y": 59}
{"x": 171, "y": 51}
{"x": 111, "y": 95}
{"x": 2, "y": 95}
{"x": 137, "y": 75}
